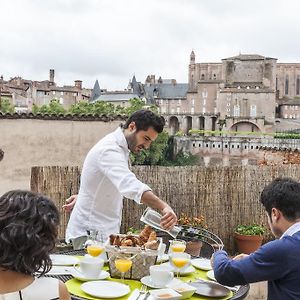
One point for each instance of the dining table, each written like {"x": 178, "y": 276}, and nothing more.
{"x": 74, "y": 285}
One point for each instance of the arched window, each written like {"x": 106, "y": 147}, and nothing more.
{"x": 286, "y": 91}
{"x": 298, "y": 85}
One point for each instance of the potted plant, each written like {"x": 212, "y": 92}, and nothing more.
{"x": 193, "y": 246}
{"x": 249, "y": 237}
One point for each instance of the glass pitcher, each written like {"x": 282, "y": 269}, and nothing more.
{"x": 153, "y": 219}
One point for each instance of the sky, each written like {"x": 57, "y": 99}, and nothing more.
{"x": 112, "y": 40}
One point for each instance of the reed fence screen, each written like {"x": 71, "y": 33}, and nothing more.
{"x": 225, "y": 196}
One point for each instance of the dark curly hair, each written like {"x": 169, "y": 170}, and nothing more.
{"x": 283, "y": 194}
{"x": 28, "y": 231}
{"x": 144, "y": 119}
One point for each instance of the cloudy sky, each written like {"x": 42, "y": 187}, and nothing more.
{"x": 111, "y": 40}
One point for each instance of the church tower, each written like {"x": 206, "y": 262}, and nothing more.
{"x": 192, "y": 68}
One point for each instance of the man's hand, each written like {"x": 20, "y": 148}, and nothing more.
{"x": 240, "y": 256}
{"x": 169, "y": 219}
{"x": 70, "y": 202}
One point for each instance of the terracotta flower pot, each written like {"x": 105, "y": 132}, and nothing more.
{"x": 193, "y": 248}
{"x": 248, "y": 243}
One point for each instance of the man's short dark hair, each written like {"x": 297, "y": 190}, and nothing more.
{"x": 144, "y": 119}
{"x": 283, "y": 194}
{"x": 28, "y": 232}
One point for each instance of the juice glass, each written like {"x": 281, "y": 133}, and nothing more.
{"x": 177, "y": 246}
{"x": 180, "y": 261}
{"x": 123, "y": 264}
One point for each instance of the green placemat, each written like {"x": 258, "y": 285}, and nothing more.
{"x": 73, "y": 286}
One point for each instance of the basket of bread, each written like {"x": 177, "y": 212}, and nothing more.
{"x": 141, "y": 249}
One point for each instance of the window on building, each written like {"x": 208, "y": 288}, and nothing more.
{"x": 178, "y": 110}
{"x": 204, "y": 101}
{"x": 193, "y": 101}
{"x": 298, "y": 85}
{"x": 61, "y": 93}
{"x": 161, "y": 101}
{"x": 236, "y": 111}
{"x": 202, "y": 76}
{"x": 228, "y": 109}
{"x": 286, "y": 90}
{"x": 214, "y": 76}
{"x": 53, "y": 92}
{"x": 172, "y": 110}
{"x": 253, "y": 111}
{"x": 179, "y": 102}
{"x": 192, "y": 110}
{"x": 61, "y": 100}
{"x": 203, "y": 110}
{"x": 276, "y": 83}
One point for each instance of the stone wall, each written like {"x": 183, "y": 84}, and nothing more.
{"x": 30, "y": 142}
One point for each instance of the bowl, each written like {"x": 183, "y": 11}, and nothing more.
{"x": 165, "y": 294}
{"x": 185, "y": 290}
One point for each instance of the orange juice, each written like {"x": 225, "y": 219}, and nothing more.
{"x": 179, "y": 262}
{"x": 94, "y": 250}
{"x": 123, "y": 265}
{"x": 178, "y": 247}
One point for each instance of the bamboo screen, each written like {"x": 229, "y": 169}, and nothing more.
{"x": 225, "y": 196}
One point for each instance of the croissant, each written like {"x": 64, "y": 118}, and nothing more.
{"x": 145, "y": 233}
{"x": 152, "y": 236}
{"x": 153, "y": 245}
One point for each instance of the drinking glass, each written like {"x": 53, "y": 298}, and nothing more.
{"x": 180, "y": 261}
{"x": 94, "y": 245}
{"x": 177, "y": 246}
{"x": 123, "y": 264}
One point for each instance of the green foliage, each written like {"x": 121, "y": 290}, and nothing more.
{"x": 53, "y": 108}
{"x": 6, "y": 106}
{"x": 252, "y": 229}
{"x": 137, "y": 104}
{"x": 287, "y": 135}
{"x": 179, "y": 133}
{"x": 132, "y": 230}
{"x": 155, "y": 154}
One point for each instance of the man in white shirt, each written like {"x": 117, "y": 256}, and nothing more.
{"x": 106, "y": 179}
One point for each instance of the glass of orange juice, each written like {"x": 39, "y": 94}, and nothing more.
{"x": 123, "y": 264}
{"x": 177, "y": 246}
{"x": 94, "y": 246}
{"x": 180, "y": 261}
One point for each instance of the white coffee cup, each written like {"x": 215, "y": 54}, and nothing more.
{"x": 90, "y": 267}
{"x": 161, "y": 275}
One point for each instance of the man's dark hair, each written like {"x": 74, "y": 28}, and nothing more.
{"x": 28, "y": 231}
{"x": 144, "y": 119}
{"x": 283, "y": 194}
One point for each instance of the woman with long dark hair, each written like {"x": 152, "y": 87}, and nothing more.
{"x": 28, "y": 231}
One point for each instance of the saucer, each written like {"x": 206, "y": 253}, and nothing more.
{"x": 147, "y": 281}
{"x": 78, "y": 275}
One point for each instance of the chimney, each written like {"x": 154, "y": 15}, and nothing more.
{"x": 78, "y": 84}
{"x": 51, "y": 75}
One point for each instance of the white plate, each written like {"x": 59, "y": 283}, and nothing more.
{"x": 147, "y": 281}
{"x": 162, "y": 258}
{"x": 78, "y": 275}
{"x": 105, "y": 289}
{"x": 186, "y": 271}
{"x": 211, "y": 275}
{"x": 63, "y": 260}
{"x": 201, "y": 263}
{"x": 60, "y": 270}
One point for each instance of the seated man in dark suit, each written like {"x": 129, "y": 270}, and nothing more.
{"x": 278, "y": 261}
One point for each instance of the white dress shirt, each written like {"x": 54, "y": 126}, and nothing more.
{"x": 291, "y": 230}
{"x": 105, "y": 180}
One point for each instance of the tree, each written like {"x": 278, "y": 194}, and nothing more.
{"x": 6, "y": 106}
{"x": 155, "y": 154}
{"x": 54, "y": 107}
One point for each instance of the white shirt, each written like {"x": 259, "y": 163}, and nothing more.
{"x": 43, "y": 288}
{"x": 105, "y": 180}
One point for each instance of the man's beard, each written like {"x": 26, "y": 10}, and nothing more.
{"x": 132, "y": 143}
